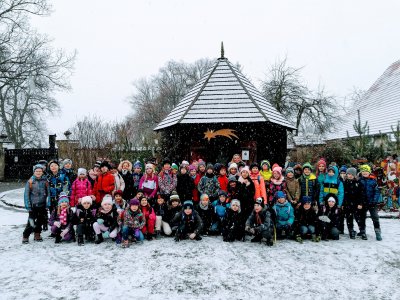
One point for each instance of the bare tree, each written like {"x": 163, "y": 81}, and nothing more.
{"x": 307, "y": 109}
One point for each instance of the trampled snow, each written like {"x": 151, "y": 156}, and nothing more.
{"x": 208, "y": 269}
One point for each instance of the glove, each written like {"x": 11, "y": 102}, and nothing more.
{"x": 192, "y": 236}
{"x": 44, "y": 227}
{"x": 325, "y": 219}
{"x": 32, "y": 222}
{"x": 57, "y": 224}
{"x": 64, "y": 232}
{"x": 106, "y": 234}
{"x": 247, "y": 228}
{"x": 100, "y": 221}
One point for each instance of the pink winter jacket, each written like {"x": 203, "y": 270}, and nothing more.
{"x": 80, "y": 188}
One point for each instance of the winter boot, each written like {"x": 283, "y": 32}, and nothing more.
{"x": 158, "y": 234}
{"x": 177, "y": 238}
{"x": 352, "y": 234}
{"x": 378, "y": 234}
{"x": 198, "y": 237}
{"x": 58, "y": 239}
{"x": 80, "y": 240}
{"x": 37, "y": 237}
{"x": 363, "y": 235}
{"x": 25, "y": 240}
{"x": 256, "y": 239}
{"x": 149, "y": 236}
{"x": 314, "y": 238}
{"x": 299, "y": 239}
{"x": 270, "y": 243}
{"x": 100, "y": 239}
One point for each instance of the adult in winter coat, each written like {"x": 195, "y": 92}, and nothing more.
{"x": 105, "y": 183}
{"x": 36, "y": 200}
{"x": 284, "y": 215}
{"x": 246, "y": 192}
{"x": 308, "y": 185}
{"x": 58, "y": 183}
{"x": 332, "y": 186}
{"x": 354, "y": 202}
{"x": 209, "y": 183}
{"x": 167, "y": 180}
{"x": 233, "y": 223}
{"x": 81, "y": 187}
{"x": 259, "y": 184}
{"x": 62, "y": 221}
{"x": 260, "y": 223}
{"x": 125, "y": 171}
{"x": 185, "y": 184}
{"x": 372, "y": 194}
{"x": 190, "y": 223}
{"x": 149, "y": 183}
{"x": 329, "y": 219}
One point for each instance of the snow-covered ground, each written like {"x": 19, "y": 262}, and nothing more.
{"x": 208, "y": 269}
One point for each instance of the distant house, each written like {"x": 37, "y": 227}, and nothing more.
{"x": 380, "y": 106}
{"x": 221, "y": 115}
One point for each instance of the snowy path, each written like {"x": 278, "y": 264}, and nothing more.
{"x": 209, "y": 269}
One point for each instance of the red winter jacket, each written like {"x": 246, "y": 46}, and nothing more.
{"x": 104, "y": 185}
{"x": 223, "y": 183}
{"x": 80, "y": 188}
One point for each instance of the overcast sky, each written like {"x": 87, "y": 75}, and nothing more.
{"x": 342, "y": 44}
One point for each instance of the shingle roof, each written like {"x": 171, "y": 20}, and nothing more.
{"x": 223, "y": 95}
{"x": 380, "y": 106}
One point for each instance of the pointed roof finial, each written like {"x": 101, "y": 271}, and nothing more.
{"x": 222, "y": 50}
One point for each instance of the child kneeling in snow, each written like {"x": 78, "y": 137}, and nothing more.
{"x": 307, "y": 221}
{"x": 106, "y": 223}
{"x": 220, "y": 207}
{"x": 132, "y": 221}
{"x": 190, "y": 223}
{"x": 233, "y": 224}
{"x": 119, "y": 202}
{"x": 260, "y": 223}
{"x": 61, "y": 221}
{"x": 284, "y": 216}
{"x": 161, "y": 210}
{"x": 206, "y": 213}
{"x": 85, "y": 213}
{"x": 329, "y": 217}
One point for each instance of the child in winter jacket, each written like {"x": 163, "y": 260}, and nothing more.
{"x": 189, "y": 223}
{"x": 106, "y": 220}
{"x": 220, "y": 207}
{"x": 167, "y": 181}
{"x": 36, "y": 200}
{"x": 329, "y": 218}
{"x": 193, "y": 174}
{"x": 119, "y": 202}
{"x": 131, "y": 221}
{"x": 150, "y": 217}
{"x": 206, "y": 213}
{"x": 321, "y": 173}
{"x": 308, "y": 185}
{"x": 136, "y": 176}
{"x": 69, "y": 172}
{"x": 86, "y": 216}
{"x": 353, "y": 203}
{"x": 222, "y": 178}
{"x": 372, "y": 195}
{"x": 246, "y": 191}
{"x": 284, "y": 216}
{"x": 125, "y": 171}
{"x": 209, "y": 183}
{"x": 278, "y": 183}
{"x": 161, "y": 211}
{"x": 61, "y": 221}
{"x": 332, "y": 186}
{"x": 104, "y": 184}
{"x": 233, "y": 169}
{"x": 266, "y": 172}
{"x": 119, "y": 183}
{"x": 307, "y": 221}
{"x": 81, "y": 187}
{"x": 260, "y": 224}
{"x": 58, "y": 183}
{"x": 149, "y": 183}
{"x": 292, "y": 188}
{"x": 185, "y": 184}
{"x": 233, "y": 223}
{"x": 174, "y": 208}
{"x": 258, "y": 181}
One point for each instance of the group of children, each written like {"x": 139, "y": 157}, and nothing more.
{"x": 192, "y": 200}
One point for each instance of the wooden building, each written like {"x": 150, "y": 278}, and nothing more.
{"x": 221, "y": 115}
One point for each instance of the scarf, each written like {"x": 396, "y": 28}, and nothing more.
{"x": 203, "y": 207}
{"x": 63, "y": 216}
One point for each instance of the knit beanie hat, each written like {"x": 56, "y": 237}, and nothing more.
{"x": 82, "y": 171}
{"x": 343, "y": 169}
{"x": 185, "y": 163}
{"x": 37, "y": 166}
{"x": 149, "y": 166}
{"x": 237, "y": 202}
{"x": 210, "y": 166}
{"x": 134, "y": 201}
{"x": 321, "y": 162}
{"x": 67, "y": 161}
{"x": 201, "y": 163}
{"x": 222, "y": 193}
{"x": 280, "y": 194}
{"x": 289, "y": 170}
{"x": 188, "y": 204}
{"x": 63, "y": 198}
{"x": 54, "y": 161}
{"x": 254, "y": 165}
{"x": 365, "y": 168}
{"x": 174, "y": 166}
{"x": 331, "y": 199}
{"x": 245, "y": 168}
{"x": 105, "y": 164}
{"x": 192, "y": 167}
{"x": 107, "y": 199}
{"x": 232, "y": 178}
{"x": 352, "y": 171}
{"x": 137, "y": 164}
{"x": 232, "y": 166}
{"x": 307, "y": 165}
{"x": 118, "y": 192}
{"x": 174, "y": 196}
{"x": 87, "y": 199}
{"x": 266, "y": 162}
{"x": 259, "y": 201}
{"x": 277, "y": 169}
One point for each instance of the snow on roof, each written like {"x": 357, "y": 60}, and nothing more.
{"x": 379, "y": 106}
{"x": 308, "y": 140}
{"x": 223, "y": 94}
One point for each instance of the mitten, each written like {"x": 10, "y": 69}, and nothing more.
{"x": 192, "y": 236}
{"x": 100, "y": 221}
{"x": 325, "y": 219}
{"x": 64, "y": 232}
{"x": 57, "y": 224}
{"x": 106, "y": 234}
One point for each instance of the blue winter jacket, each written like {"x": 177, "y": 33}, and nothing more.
{"x": 371, "y": 189}
{"x": 36, "y": 193}
{"x": 220, "y": 208}
{"x": 332, "y": 185}
{"x": 58, "y": 183}
{"x": 284, "y": 213}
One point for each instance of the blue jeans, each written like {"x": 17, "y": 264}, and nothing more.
{"x": 307, "y": 229}
{"x": 135, "y": 232}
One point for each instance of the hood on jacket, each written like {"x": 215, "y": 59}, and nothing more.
{"x": 123, "y": 162}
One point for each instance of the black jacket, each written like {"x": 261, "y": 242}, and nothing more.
{"x": 128, "y": 192}
{"x": 161, "y": 210}
{"x": 233, "y": 221}
{"x": 184, "y": 187}
{"x": 85, "y": 216}
{"x": 110, "y": 218}
{"x": 306, "y": 217}
{"x": 354, "y": 194}
{"x": 206, "y": 215}
{"x": 189, "y": 223}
